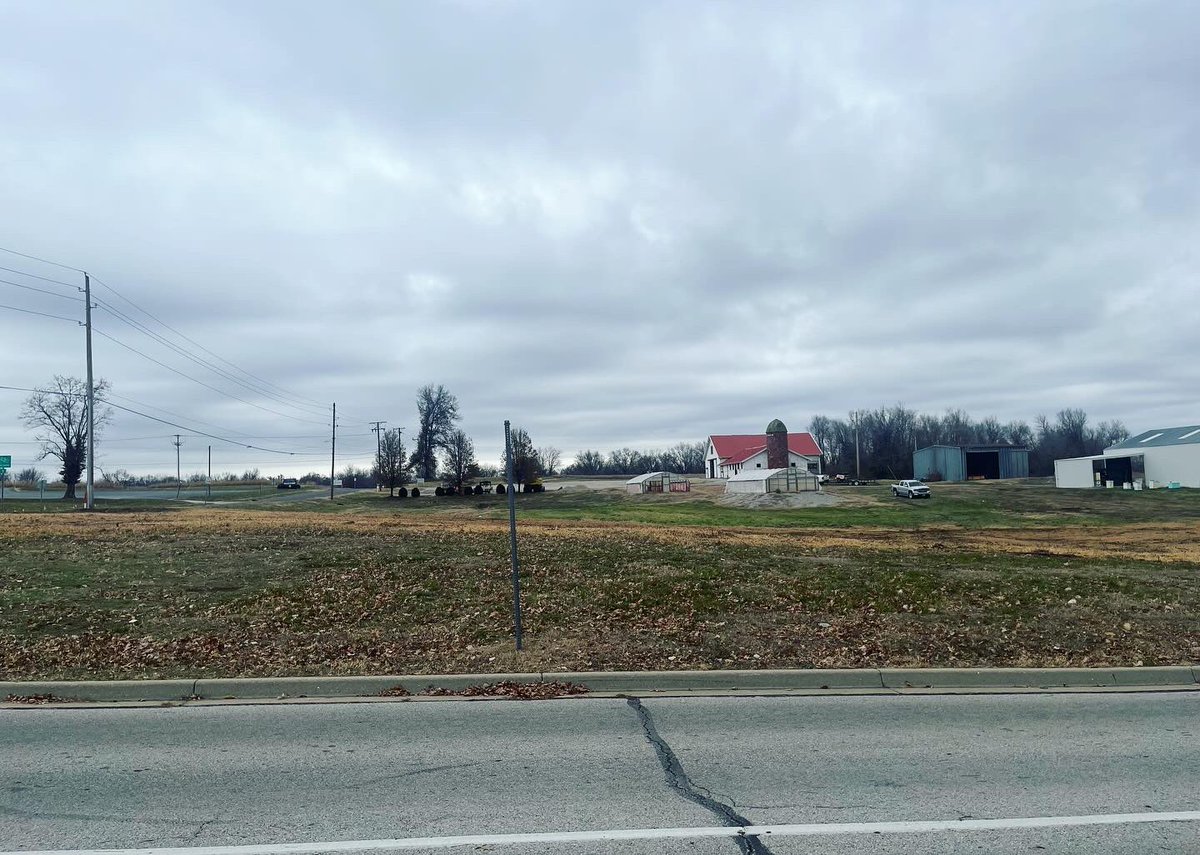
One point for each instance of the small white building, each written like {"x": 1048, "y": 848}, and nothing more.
{"x": 657, "y": 482}
{"x": 1155, "y": 458}
{"x": 790, "y": 480}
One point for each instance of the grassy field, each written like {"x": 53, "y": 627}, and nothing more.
{"x": 984, "y": 574}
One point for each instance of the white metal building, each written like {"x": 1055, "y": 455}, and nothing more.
{"x": 1156, "y": 458}
{"x": 791, "y": 480}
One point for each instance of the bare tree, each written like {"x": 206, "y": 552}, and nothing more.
{"x": 59, "y": 417}
{"x": 460, "y": 458}
{"x": 587, "y": 462}
{"x": 548, "y": 459}
{"x": 437, "y": 411}
{"x": 390, "y": 462}
{"x": 29, "y": 476}
{"x": 524, "y": 458}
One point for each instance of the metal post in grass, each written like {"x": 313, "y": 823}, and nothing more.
{"x": 512, "y": 534}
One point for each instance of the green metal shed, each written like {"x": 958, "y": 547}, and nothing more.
{"x": 971, "y": 462}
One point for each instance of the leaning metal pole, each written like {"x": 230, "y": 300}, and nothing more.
{"x": 512, "y": 534}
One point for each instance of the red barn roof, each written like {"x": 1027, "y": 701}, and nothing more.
{"x": 734, "y": 448}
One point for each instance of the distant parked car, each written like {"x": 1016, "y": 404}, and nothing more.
{"x": 288, "y": 484}
{"x": 911, "y": 490}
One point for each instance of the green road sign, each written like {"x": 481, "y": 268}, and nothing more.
{"x": 5, "y": 461}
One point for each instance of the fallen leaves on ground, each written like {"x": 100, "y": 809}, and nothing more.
{"x": 238, "y": 593}
{"x": 38, "y": 700}
{"x": 511, "y": 689}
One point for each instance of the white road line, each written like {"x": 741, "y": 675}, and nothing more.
{"x": 795, "y": 830}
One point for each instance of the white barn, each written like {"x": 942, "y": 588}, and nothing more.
{"x": 1155, "y": 458}
{"x": 729, "y": 454}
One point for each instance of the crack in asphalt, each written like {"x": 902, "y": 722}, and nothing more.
{"x": 678, "y": 780}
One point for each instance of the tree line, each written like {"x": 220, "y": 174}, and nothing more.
{"x": 879, "y": 443}
{"x": 684, "y": 457}
{"x": 888, "y": 436}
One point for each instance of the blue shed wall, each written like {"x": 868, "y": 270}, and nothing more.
{"x": 948, "y": 460}
{"x": 1014, "y": 463}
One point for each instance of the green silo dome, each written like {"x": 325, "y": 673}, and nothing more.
{"x": 776, "y": 426}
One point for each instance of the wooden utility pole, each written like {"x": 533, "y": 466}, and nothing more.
{"x": 178, "y": 475}
{"x": 378, "y": 450}
{"x": 333, "y": 451}
{"x": 89, "y": 500}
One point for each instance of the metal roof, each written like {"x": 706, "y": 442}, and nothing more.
{"x": 993, "y": 446}
{"x": 764, "y": 474}
{"x": 1186, "y": 435}
{"x": 650, "y": 476}
{"x": 736, "y": 448}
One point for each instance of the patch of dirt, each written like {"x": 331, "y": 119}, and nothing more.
{"x": 777, "y": 501}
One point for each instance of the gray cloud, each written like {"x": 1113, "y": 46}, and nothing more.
{"x": 630, "y": 224}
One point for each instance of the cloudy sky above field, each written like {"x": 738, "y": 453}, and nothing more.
{"x": 627, "y": 223}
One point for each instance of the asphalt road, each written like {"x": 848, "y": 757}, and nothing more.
{"x": 222, "y": 775}
{"x": 192, "y": 494}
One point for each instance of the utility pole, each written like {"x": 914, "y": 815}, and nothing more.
{"x": 178, "y": 479}
{"x": 89, "y": 501}
{"x": 378, "y": 449}
{"x": 333, "y": 451}
{"x": 208, "y": 489}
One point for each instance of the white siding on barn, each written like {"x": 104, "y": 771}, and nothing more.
{"x": 1074, "y": 472}
{"x": 1168, "y": 463}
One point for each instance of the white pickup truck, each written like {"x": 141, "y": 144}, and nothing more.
{"x": 911, "y": 490}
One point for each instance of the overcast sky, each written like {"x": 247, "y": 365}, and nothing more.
{"x": 615, "y": 223}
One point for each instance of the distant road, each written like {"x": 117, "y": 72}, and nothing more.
{"x": 193, "y": 495}
{"x": 220, "y": 775}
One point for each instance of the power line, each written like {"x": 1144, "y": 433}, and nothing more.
{"x": 73, "y": 287}
{"x": 42, "y": 314}
{"x": 40, "y": 290}
{"x": 164, "y": 324}
{"x": 43, "y": 260}
{"x": 192, "y": 430}
{"x": 202, "y": 362}
{"x": 201, "y": 382}
{"x": 162, "y": 421}
{"x": 202, "y": 433}
{"x": 281, "y": 391}
{"x": 222, "y": 428}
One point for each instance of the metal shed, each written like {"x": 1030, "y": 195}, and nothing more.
{"x": 790, "y": 480}
{"x": 971, "y": 462}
